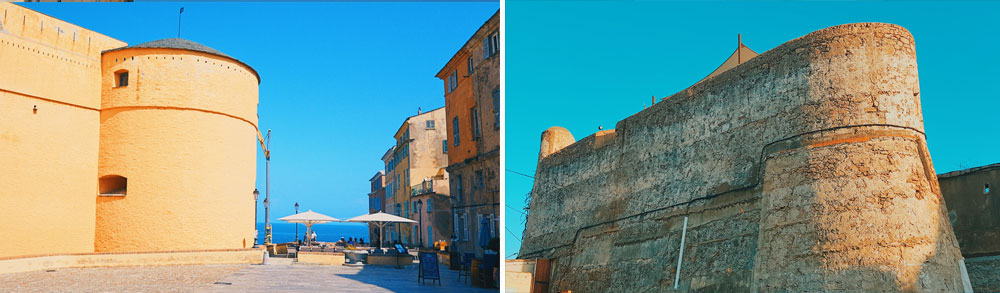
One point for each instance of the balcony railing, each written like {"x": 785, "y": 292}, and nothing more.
{"x": 425, "y": 187}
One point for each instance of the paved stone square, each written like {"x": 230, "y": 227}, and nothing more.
{"x": 282, "y": 275}
{"x": 181, "y": 278}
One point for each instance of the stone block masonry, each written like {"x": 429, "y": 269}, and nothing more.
{"x": 803, "y": 169}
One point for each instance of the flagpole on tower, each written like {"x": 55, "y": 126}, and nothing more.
{"x": 179, "y": 22}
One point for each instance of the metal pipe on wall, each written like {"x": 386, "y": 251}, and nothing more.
{"x": 680, "y": 256}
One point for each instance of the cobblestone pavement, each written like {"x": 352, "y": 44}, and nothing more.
{"x": 283, "y": 275}
{"x": 183, "y": 278}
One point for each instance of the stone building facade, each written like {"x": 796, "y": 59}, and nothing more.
{"x": 152, "y": 144}
{"x": 430, "y": 204}
{"x": 804, "y": 168}
{"x": 418, "y": 156}
{"x": 376, "y": 203}
{"x": 974, "y": 215}
{"x": 472, "y": 99}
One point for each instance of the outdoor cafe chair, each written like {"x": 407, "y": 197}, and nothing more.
{"x": 466, "y": 270}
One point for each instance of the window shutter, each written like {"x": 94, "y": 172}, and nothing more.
{"x": 493, "y": 225}
{"x": 486, "y": 48}
{"x": 465, "y": 220}
{"x": 479, "y": 219}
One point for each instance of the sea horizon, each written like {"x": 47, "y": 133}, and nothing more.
{"x": 329, "y": 232}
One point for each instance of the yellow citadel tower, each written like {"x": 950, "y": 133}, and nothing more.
{"x": 177, "y": 150}
{"x": 115, "y": 148}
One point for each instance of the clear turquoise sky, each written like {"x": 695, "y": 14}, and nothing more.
{"x": 337, "y": 79}
{"x": 581, "y": 65}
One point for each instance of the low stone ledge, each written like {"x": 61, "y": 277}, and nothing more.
{"x": 323, "y": 258}
{"x": 125, "y": 259}
{"x": 390, "y": 259}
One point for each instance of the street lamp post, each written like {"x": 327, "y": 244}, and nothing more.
{"x": 267, "y": 224}
{"x": 296, "y": 225}
{"x": 399, "y": 234}
{"x": 267, "y": 194}
{"x": 256, "y": 195}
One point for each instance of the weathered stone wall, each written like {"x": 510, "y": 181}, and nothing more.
{"x": 973, "y": 214}
{"x": 804, "y": 168}
{"x": 983, "y": 273}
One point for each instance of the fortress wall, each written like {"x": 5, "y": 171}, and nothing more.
{"x": 816, "y": 145}
{"x": 49, "y": 155}
{"x": 183, "y": 133}
{"x": 50, "y": 175}
{"x": 57, "y": 60}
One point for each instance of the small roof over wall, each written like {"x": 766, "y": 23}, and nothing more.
{"x": 175, "y": 43}
{"x": 740, "y": 56}
{"x": 178, "y": 43}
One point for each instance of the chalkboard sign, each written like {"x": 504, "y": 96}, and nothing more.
{"x": 428, "y": 267}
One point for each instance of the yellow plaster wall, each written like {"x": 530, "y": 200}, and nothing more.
{"x": 50, "y": 164}
{"x": 49, "y": 155}
{"x": 183, "y": 133}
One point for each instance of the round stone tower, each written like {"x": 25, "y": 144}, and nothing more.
{"x": 177, "y": 154}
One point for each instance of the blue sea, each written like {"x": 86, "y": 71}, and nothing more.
{"x": 329, "y": 232}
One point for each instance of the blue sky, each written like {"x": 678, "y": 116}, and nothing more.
{"x": 337, "y": 79}
{"x": 581, "y": 65}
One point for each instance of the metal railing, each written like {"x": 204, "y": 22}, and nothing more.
{"x": 425, "y": 187}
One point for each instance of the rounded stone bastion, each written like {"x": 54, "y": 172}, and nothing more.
{"x": 177, "y": 156}
{"x": 804, "y": 168}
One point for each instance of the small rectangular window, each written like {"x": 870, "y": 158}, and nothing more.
{"x": 122, "y": 78}
{"x": 471, "y": 68}
{"x": 491, "y": 45}
{"x": 430, "y": 124}
{"x": 444, "y": 146}
{"x": 453, "y": 81}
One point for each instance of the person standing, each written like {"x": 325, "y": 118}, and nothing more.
{"x": 314, "y": 236}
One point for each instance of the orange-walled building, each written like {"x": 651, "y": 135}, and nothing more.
{"x": 109, "y": 148}
{"x": 472, "y": 102}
